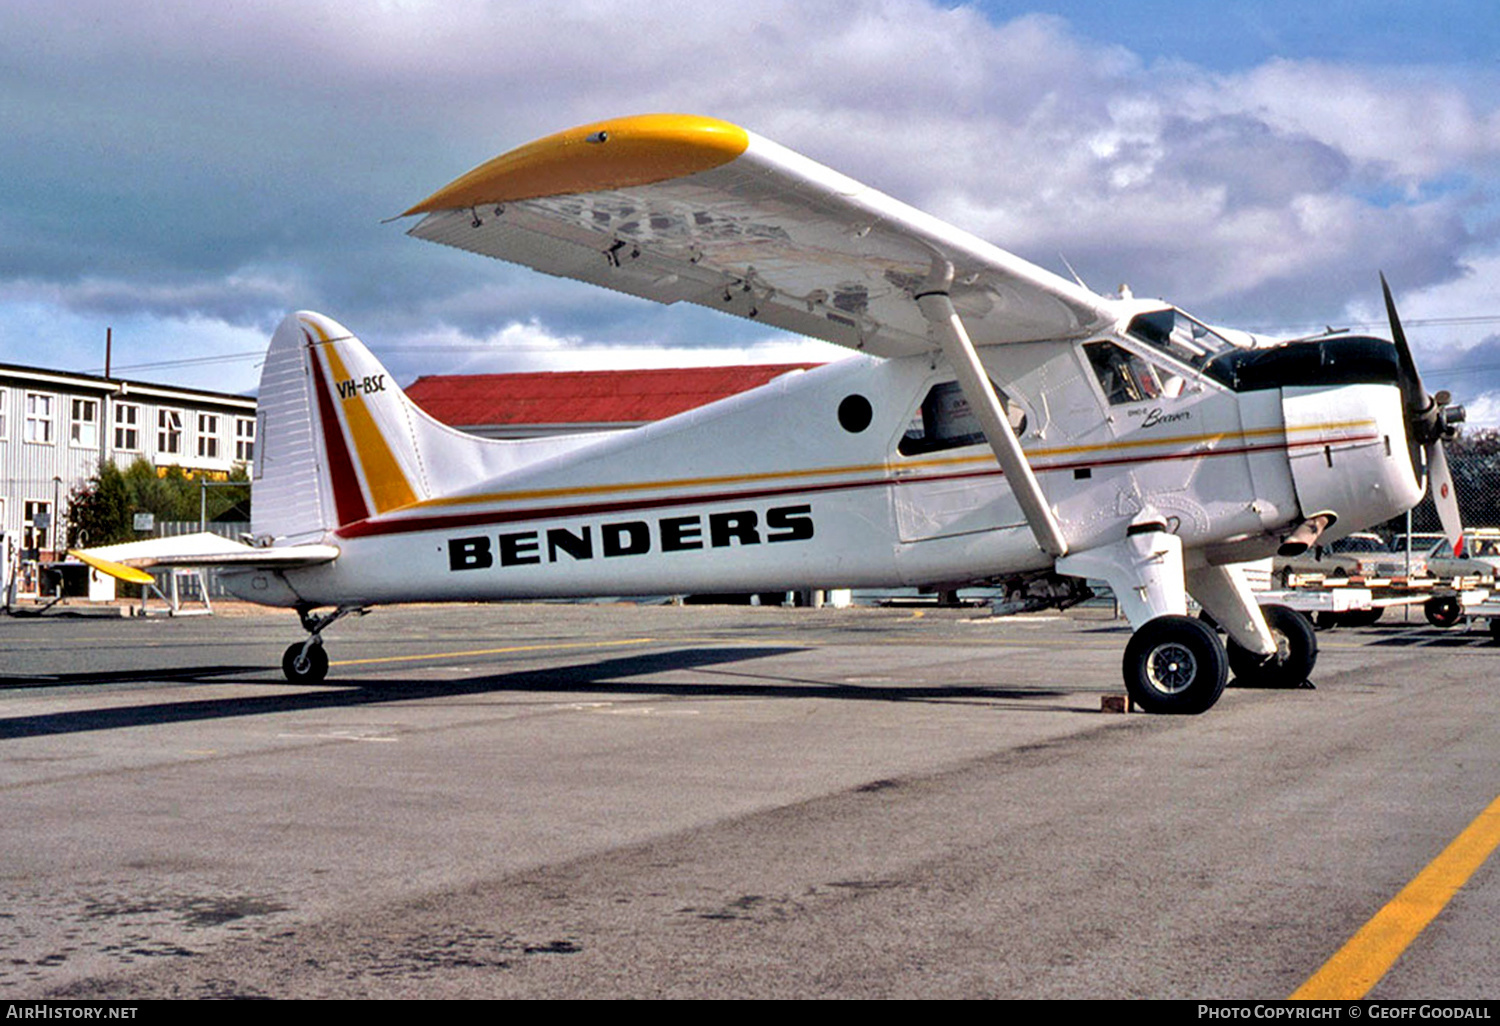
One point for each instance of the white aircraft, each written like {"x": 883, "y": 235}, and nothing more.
{"x": 1001, "y": 425}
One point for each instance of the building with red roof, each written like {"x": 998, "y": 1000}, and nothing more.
{"x": 528, "y": 404}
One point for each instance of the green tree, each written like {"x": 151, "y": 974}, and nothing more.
{"x": 99, "y": 510}
{"x": 102, "y": 510}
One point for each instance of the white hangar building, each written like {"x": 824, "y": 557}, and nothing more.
{"x": 57, "y": 427}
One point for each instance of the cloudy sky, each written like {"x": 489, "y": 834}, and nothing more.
{"x": 186, "y": 173}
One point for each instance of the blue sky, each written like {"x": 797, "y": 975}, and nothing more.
{"x": 187, "y": 173}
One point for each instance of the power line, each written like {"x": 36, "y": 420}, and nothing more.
{"x": 494, "y": 349}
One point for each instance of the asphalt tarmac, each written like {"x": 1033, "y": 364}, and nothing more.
{"x": 653, "y": 801}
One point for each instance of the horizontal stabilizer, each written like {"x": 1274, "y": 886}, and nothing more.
{"x": 119, "y": 571}
{"x": 128, "y": 561}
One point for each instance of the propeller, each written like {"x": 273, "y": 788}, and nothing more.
{"x": 1430, "y": 420}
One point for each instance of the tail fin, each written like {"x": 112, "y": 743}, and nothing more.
{"x": 334, "y": 438}
{"x": 338, "y": 441}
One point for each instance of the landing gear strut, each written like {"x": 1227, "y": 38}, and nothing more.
{"x": 305, "y": 662}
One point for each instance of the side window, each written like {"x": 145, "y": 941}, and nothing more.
{"x": 84, "y": 429}
{"x": 39, "y": 412}
{"x": 208, "y": 436}
{"x": 945, "y": 421}
{"x": 169, "y": 432}
{"x": 127, "y": 427}
{"x": 1127, "y": 378}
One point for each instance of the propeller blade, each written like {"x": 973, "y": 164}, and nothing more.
{"x": 1411, "y": 381}
{"x": 1440, "y": 480}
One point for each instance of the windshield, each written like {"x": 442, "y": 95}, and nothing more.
{"x": 1179, "y": 336}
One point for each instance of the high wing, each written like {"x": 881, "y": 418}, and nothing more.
{"x": 129, "y": 560}
{"x": 680, "y": 208}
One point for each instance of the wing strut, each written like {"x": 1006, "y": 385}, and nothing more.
{"x": 937, "y": 307}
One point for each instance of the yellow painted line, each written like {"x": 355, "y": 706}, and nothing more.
{"x": 1370, "y": 953}
{"x": 494, "y": 651}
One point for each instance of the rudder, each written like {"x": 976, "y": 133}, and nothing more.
{"x": 337, "y": 440}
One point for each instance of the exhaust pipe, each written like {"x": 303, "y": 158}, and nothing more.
{"x": 1306, "y": 534}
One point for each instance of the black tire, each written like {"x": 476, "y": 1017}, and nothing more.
{"x": 312, "y": 670}
{"x": 1443, "y": 610}
{"x": 1175, "y": 664}
{"x": 1495, "y": 627}
{"x": 1296, "y": 652}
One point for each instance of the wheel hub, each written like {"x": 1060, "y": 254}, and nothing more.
{"x": 1171, "y": 667}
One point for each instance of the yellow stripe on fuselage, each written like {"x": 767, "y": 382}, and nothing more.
{"x": 575, "y": 491}
{"x": 614, "y": 154}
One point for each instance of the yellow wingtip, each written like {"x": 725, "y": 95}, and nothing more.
{"x": 612, "y": 154}
{"x": 117, "y": 570}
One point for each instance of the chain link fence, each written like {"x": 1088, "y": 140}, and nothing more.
{"x": 1474, "y": 459}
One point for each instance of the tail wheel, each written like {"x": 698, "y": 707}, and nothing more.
{"x": 305, "y": 664}
{"x": 1443, "y": 610}
{"x": 1296, "y": 652}
{"x": 1175, "y": 664}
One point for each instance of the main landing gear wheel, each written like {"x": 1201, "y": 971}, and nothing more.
{"x": 304, "y": 663}
{"x": 1443, "y": 610}
{"x": 1296, "y": 652}
{"x": 1175, "y": 664}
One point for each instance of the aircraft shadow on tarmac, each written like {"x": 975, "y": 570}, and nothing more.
{"x": 598, "y": 677}
{"x": 1430, "y": 637}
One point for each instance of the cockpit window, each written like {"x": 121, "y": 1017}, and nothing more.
{"x": 1127, "y": 378}
{"x": 1181, "y": 337}
{"x": 945, "y": 421}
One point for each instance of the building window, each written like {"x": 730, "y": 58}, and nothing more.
{"x": 127, "y": 427}
{"x": 208, "y": 436}
{"x": 36, "y": 525}
{"x": 244, "y": 439}
{"x": 4, "y": 395}
{"x": 169, "y": 432}
{"x": 39, "y": 418}
{"x": 84, "y": 430}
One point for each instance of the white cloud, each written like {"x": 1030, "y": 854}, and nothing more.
{"x": 220, "y": 164}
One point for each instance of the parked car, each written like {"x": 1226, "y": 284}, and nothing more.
{"x": 1358, "y": 555}
{"x": 1422, "y": 542}
{"x": 1480, "y": 555}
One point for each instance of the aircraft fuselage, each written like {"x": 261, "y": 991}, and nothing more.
{"x": 870, "y": 472}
